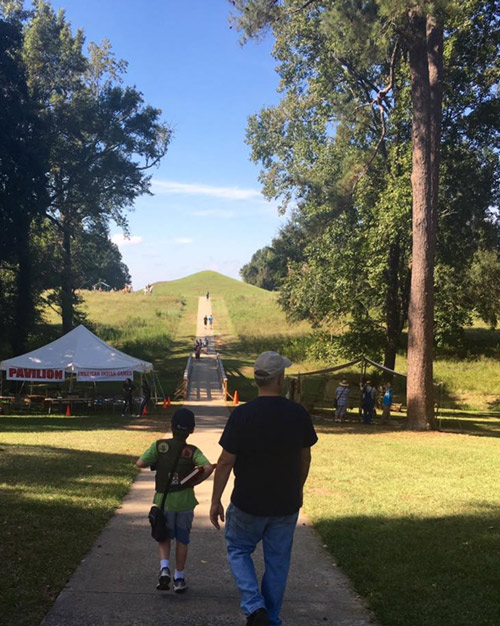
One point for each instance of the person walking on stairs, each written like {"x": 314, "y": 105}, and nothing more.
{"x": 267, "y": 442}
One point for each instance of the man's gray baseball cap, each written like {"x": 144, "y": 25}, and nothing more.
{"x": 270, "y": 364}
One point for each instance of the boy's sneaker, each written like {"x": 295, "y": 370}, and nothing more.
{"x": 180, "y": 585}
{"x": 163, "y": 579}
{"x": 258, "y": 618}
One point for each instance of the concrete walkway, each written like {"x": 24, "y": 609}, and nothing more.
{"x": 115, "y": 583}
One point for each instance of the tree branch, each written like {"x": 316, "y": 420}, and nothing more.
{"x": 379, "y": 102}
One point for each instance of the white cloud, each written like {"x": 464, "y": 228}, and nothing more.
{"x": 183, "y": 240}
{"x": 213, "y": 213}
{"x": 121, "y": 240}
{"x": 194, "y": 189}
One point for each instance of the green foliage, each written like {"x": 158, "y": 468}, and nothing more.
{"x": 102, "y": 137}
{"x": 258, "y": 271}
{"x": 484, "y": 277}
{"x": 23, "y": 196}
{"x": 75, "y": 150}
{"x": 338, "y": 144}
{"x": 96, "y": 258}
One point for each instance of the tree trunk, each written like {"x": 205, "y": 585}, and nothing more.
{"x": 24, "y": 308}
{"x": 421, "y": 307}
{"x": 67, "y": 280}
{"x": 435, "y": 63}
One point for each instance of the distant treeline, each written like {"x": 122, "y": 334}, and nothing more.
{"x": 75, "y": 149}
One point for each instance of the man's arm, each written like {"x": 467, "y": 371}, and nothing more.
{"x": 224, "y": 466}
{"x": 140, "y": 463}
{"x": 305, "y": 464}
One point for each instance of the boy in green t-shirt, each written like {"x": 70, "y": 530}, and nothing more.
{"x": 180, "y": 501}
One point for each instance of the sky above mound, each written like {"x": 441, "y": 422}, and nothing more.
{"x": 207, "y": 211}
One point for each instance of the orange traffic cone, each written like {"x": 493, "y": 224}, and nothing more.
{"x": 164, "y": 405}
{"x": 236, "y": 397}
{"x": 68, "y": 411}
{"x": 168, "y": 401}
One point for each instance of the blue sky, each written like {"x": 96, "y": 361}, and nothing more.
{"x": 207, "y": 211}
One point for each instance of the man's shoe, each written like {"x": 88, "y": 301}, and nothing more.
{"x": 163, "y": 579}
{"x": 180, "y": 585}
{"x": 258, "y": 618}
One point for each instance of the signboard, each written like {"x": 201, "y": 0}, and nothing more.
{"x": 35, "y": 375}
{"x": 103, "y": 375}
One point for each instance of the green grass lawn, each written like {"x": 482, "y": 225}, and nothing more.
{"x": 414, "y": 520}
{"x": 248, "y": 320}
{"x": 61, "y": 479}
{"x": 158, "y": 328}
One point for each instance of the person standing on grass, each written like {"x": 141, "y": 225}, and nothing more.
{"x": 146, "y": 396}
{"x": 268, "y": 444}
{"x": 341, "y": 399}
{"x": 128, "y": 400}
{"x": 386, "y": 404}
{"x": 368, "y": 395}
{"x": 181, "y": 501}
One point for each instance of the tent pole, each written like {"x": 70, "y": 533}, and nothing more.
{"x": 140, "y": 414}
{"x": 155, "y": 391}
{"x": 159, "y": 384}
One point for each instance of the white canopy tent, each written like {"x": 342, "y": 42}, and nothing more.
{"x": 78, "y": 352}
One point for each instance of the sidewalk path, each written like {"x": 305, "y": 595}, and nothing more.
{"x": 115, "y": 583}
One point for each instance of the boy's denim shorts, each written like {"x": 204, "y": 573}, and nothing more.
{"x": 179, "y": 525}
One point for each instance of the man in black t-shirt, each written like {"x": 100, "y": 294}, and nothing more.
{"x": 268, "y": 444}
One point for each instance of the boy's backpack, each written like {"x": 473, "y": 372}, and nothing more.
{"x": 175, "y": 460}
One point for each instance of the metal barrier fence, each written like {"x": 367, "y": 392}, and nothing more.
{"x": 183, "y": 391}
{"x": 222, "y": 376}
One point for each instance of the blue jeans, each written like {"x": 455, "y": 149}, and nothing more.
{"x": 144, "y": 402}
{"x": 368, "y": 412}
{"x": 243, "y": 533}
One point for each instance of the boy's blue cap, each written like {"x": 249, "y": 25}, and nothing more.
{"x": 183, "y": 419}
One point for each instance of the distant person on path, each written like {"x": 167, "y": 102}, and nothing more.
{"x": 341, "y": 400}
{"x": 128, "y": 400}
{"x": 368, "y": 395}
{"x": 268, "y": 444}
{"x": 146, "y": 396}
{"x": 181, "y": 501}
{"x": 205, "y": 321}
{"x": 211, "y": 320}
{"x": 208, "y": 295}
{"x": 386, "y": 404}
